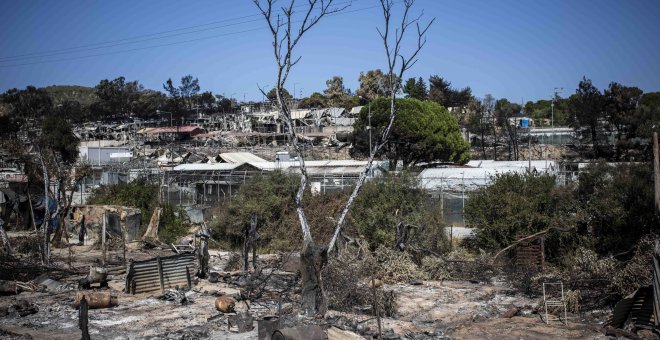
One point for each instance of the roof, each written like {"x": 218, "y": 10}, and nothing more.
{"x": 299, "y": 114}
{"x": 206, "y": 167}
{"x": 356, "y": 110}
{"x": 240, "y": 157}
{"x": 477, "y": 173}
{"x": 335, "y": 112}
{"x": 344, "y": 121}
{"x": 175, "y": 129}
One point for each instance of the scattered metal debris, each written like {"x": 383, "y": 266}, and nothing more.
{"x": 178, "y": 296}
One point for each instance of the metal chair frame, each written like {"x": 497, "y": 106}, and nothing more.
{"x": 549, "y": 302}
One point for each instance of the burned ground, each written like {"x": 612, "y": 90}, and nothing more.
{"x": 424, "y": 309}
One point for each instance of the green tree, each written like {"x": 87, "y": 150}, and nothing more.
{"x": 648, "y": 115}
{"x": 441, "y": 92}
{"x": 70, "y": 110}
{"x": 373, "y": 84}
{"x": 618, "y": 205}
{"x": 415, "y": 89}
{"x": 335, "y": 93}
{"x": 586, "y": 108}
{"x": 272, "y": 96}
{"x": 182, "y": 96}
{"x": 206, "y": 101}
{"x": 316, "y": 100}
{"x": 29, "y": 103}
{"x": 621, "y": 107}
{"x": 188, "y": 89}
{"x": 117, "y": 96}
{"x": 422, "y": 132}
{"x": 148, "y": 102}
{"x": 57, "y": 136}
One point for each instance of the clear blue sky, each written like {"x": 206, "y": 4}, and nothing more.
{"x": 510, "y": 48}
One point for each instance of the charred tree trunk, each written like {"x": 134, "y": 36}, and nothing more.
{"x": 312, "y": 261}
{"x": 5, "y": 239}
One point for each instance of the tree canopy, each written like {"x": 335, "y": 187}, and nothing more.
{"x": 415, "y": 89}
{"x": 373, "y": 84}
{"x": 441, "y": 92}
{"x": 422, "y": 132}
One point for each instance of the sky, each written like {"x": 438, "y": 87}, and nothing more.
{"x": 515, "y": 49}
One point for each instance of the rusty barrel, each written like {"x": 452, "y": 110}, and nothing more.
{"x": 96, "y": 299}
{"x": 300, "y": 333}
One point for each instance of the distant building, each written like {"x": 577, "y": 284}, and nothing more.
{"x": 95, "y": 155}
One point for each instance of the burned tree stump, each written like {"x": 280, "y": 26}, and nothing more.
{"x": 249, "y": 242}
{"x": 83, "y": 318}
{"x": 312, "y": 261}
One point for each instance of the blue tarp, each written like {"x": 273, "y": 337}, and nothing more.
{"x": 39, "y": 210}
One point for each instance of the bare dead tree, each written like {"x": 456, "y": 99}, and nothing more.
{"x": 45, "y": 226}
{"x": 285, "y": 39}
{"x": 287, "y": 32}
{"x": 397, "y": 65}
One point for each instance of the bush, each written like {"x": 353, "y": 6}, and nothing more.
{"x": 518, "y": 205}
{"x": 345, "y": 289}
{"x": 374, "y": 216}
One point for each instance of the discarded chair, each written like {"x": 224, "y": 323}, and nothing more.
{"x": 553, "y": 298}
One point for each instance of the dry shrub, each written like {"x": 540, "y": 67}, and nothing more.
{"x": 393, "y": 266}
{"x": 436, "y": 268}
{"x": 234, "y": 262}
{"x": 27, "y": 245}
{"x": 459, "y": 265}
{"x": 591, "y": 281}
{"x": 637, "y": 271}
{"x": 572, "y": 298}
{"x": 344, "y": 284}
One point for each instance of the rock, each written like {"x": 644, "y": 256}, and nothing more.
{"x": 375, "y": 283}
{"x": 416, "y": 282}
{"x": 225, "y": 304}
{"x": 510, "y": 312}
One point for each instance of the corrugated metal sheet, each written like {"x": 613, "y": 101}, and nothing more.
{"x": 206, "y": 167}
{"x": 241, "y": 157}
{"x": 160, "y": 273}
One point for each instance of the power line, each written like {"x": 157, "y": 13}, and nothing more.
{"x": 138, "y": 38}
{"x": 130, "y": 50}
{"x": 80, "y": 49}
{"x": 164, "y": 45}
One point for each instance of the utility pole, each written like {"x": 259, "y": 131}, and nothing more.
{"x": 370, "y": 151}
{"x": 557, "y": 90}
{"x": 656, "y": 170}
